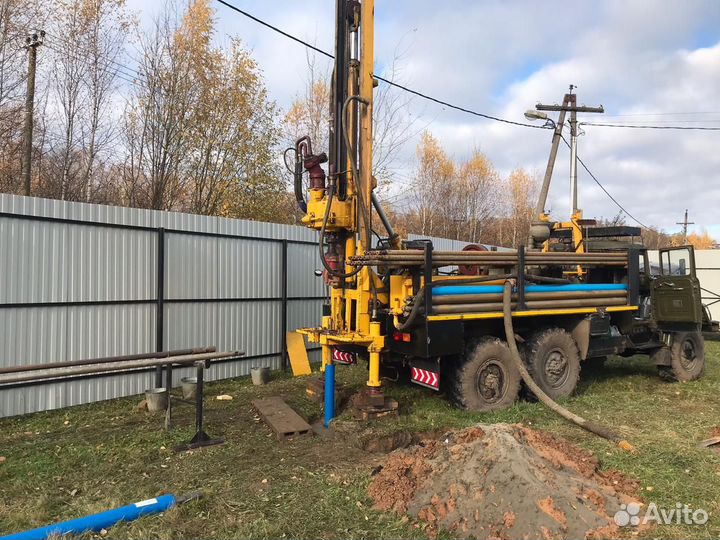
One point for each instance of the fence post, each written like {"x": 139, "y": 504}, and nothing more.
{"x": 283, "y": 322}
{"x": 160, "y": 305}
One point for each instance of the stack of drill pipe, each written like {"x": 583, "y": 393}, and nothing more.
{"x": 28, "y": 375}
{"x": 488, "y": 258}
{"x": 536, "y": 297}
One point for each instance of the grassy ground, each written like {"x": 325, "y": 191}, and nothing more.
{"x": 65, "y": 464}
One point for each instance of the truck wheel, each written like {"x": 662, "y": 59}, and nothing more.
{"x": 553, "y": 361}
{"x": 487, "y": 379}
{"x": 687, "y": 358}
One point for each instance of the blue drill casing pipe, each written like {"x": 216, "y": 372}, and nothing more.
{"x": 329, "y": 394}
{"x": 97, "y": 522}
{"x": 489, "y": 289}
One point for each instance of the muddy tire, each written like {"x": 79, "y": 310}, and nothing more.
{"x": 553, "y": 361}
{"x": 687, "y": 358}
{"x": 485, "y": 379}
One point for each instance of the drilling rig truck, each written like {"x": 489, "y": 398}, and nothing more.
{"x": 579, "y": 291}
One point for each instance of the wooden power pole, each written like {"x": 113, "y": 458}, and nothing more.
{"x": 32, "y": 42}
{"x": 685, "y": 224}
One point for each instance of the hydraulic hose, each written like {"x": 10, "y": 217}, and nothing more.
{"x": 592, "y": 427}
{"x": 321, "y": 242}
{"x": 355, "y": 173}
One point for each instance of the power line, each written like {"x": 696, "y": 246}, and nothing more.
{"x": 379, "y": 78}
{"x": 114, "y": 70}
{"x": 105, "y": 62}
{"x": 613, "y": 199}
{"x": 635, "y": 126}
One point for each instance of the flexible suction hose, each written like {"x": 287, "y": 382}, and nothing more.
{"x": 592, "y": 427}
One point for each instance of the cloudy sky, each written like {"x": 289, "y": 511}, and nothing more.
{"x": 647, "y": 62}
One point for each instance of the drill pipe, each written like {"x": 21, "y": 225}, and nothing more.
{"x": 117, "y": 366}
{"x": 496, "y": 297}
{"x": 107, "y": 359}
{"x": 550, "y": 304}
{"x": 491, "y": 254}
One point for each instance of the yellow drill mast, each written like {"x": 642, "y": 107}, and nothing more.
{"x": 342, "y": 209}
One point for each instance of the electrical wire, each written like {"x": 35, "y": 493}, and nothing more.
{"x": 635, "y": 126}
{"x": 378, "y": 77}
{"x": 613, "y": 199}
{"x": 78, "y": 56}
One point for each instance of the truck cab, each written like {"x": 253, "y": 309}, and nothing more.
{"x": 675, "y": 291}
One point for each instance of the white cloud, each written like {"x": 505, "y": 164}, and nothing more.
{"x": 498, "y": 57}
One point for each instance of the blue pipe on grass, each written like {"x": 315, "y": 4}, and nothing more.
{"x": 97, "y": 522}
{"x": 489, "y": 289}
{"x": 329, "y": 393}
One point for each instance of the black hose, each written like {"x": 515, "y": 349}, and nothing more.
{"x": 355, "y": 173}
{"x": 297, "y": 179}
{"x": 321, "y": 243}
{"x": 592, "y": 427}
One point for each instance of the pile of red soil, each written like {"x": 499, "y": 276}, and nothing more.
{"x": 502, "y": 481}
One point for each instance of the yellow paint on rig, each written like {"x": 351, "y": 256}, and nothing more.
{"x": 350, "y": 321}
{"x": 528, "y": 313}
{"x": 297, "y": 353}
{"x": 577, "y": 238}
{"x": 340, "y": 218}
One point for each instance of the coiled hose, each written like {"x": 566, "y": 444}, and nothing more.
{"x": 592, "y": 427}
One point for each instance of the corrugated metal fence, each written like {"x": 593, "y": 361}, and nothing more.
{"x": 82, "y": 281}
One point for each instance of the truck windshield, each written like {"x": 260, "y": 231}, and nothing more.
{"x": 675, "y": 262}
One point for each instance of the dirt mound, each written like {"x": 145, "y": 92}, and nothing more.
{"x": 502, "y": 481}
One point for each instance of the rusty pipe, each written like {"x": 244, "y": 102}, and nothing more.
{"x": 106, "y": 359}
{"x": 107, "y": 368}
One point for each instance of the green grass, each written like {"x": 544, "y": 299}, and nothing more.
{"x": 108, "y": 455}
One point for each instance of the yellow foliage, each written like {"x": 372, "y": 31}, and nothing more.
{"x": 701, "y": 241}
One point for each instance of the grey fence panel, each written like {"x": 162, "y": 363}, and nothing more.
{"x": 249, "y": 268}
{"x": 33, "y": 335}
{"x": 31, "y": 255}
{"x": 81, "y": 280}
{"x": 303, "y": 260}
{"x": 190, "y": 266}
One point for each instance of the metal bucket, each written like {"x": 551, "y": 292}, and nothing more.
{"x": 156, "y": 399}
{"x": 189, "y": 387}
{"x": 260, "y": 375}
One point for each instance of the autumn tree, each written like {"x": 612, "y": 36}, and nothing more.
{"x": 434, "y": 172}
{"x": 520, "y": 192}
{"x": 701, "y": 240}
{"x": 201, "y": 130}
{"x": 478, "y": 187}
{"x": 309, "y": 114}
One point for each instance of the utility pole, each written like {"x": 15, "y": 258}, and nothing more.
{"x": 32, "y": 42}
{"x": 685, "y": 224}
{"x": 569, "y": 105}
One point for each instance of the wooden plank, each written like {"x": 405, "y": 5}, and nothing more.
{"x": 277, "y": 414}
{"x": 298, "y": 354}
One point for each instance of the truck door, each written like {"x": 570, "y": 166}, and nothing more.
{"x": 675, "y": 293}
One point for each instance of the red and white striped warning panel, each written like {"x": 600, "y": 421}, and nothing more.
{"x": 340, "y": 357}
{"x": 425, "y": 377}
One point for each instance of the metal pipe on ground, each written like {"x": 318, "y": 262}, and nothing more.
{"x": 106, "y": 359}
{"x": 108, "y": 368}
{"x": 443, "y": 309}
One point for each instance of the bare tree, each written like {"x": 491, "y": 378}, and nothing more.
{"x": 157, "y": 122}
